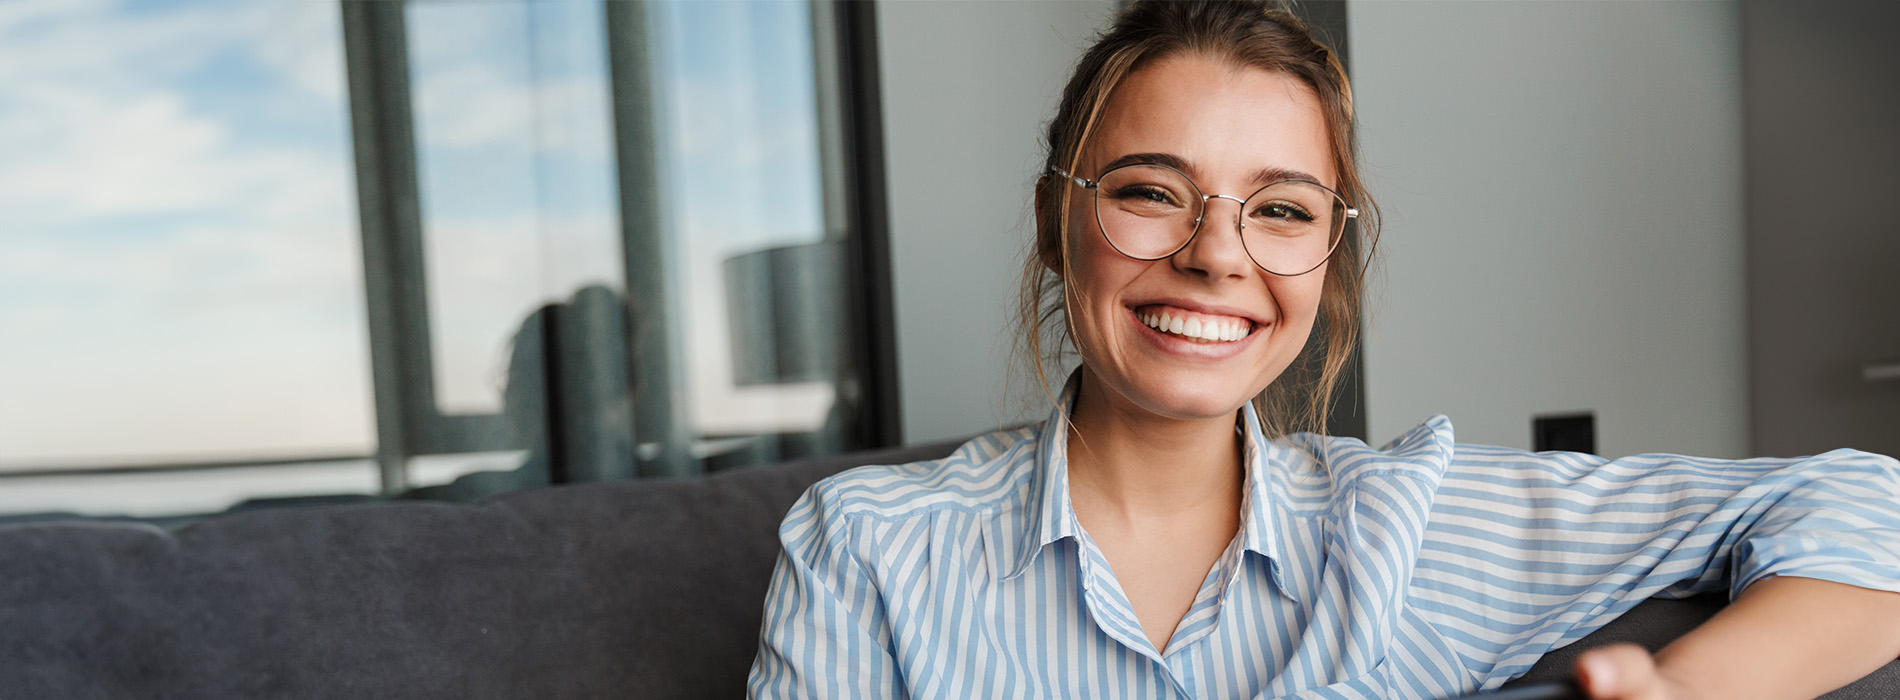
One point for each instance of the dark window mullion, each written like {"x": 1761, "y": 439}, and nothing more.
{"x": 872, "y": 319}
{"x": 384, "y": 146}
{"x": 653, "y": 325}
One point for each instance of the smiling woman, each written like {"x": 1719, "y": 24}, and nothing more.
{"x": 1164, "y": 534}
{"x": 1150, "y": 395}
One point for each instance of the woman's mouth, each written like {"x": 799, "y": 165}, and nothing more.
{"x": 1195, "y": 326}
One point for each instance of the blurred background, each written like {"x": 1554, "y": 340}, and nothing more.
{"x": 268, "y": 253}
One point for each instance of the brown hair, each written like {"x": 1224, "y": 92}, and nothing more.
{"x": 1246, "y": 33}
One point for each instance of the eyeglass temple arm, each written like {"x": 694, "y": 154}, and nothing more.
{"x": 1086, "y": 184}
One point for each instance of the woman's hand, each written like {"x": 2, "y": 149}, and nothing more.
{"x": 1782, "y": 639}
{"x": 1626, "y": 672}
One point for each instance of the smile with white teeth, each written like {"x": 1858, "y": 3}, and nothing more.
{"x": 1201, "y": 327}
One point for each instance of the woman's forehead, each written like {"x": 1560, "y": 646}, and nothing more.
{"x": 1213, "y": 119}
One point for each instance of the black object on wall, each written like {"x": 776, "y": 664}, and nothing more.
{"x": 1565, "y": 432}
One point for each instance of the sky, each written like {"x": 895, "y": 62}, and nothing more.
{"x": 180, "y": 272}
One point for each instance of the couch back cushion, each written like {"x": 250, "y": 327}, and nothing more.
{"x": 648, "y": 589}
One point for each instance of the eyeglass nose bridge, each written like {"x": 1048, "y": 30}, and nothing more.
{"x": 1205, "y": 197}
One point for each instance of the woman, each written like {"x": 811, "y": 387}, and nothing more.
{"x": 1160, "y": 536}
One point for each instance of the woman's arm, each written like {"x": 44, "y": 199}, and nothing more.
{"x": 1784, "y": 637}
{"x": 1529, "y": 552}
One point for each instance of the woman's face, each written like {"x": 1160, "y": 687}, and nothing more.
{"x": 1232, "y": 130}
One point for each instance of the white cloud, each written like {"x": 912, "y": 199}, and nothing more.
{"x": 470, "y": 105}
{"x": 98, "y": 156}
{"x": 98, "y": 117}
{"x": 480, "y": 105}
{"x": 217, "y": 340}
{"x": 23, "y": 16}
{"x": 171, "y": 284}
{"x": 304, "y": 47}
{"x": 297, "y": 264}
{"x": 98, "y": 43}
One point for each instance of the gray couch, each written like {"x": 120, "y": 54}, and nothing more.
{"x": 633, "y": 589}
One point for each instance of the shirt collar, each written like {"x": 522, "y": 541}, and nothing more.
{"x": 1256, "y": 504}
{"x": 1050, "y": 515}
{"x": 1290, "y": 487}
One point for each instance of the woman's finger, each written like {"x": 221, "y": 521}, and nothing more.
{"x": 1620, "y": 672}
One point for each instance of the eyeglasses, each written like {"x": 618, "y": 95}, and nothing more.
{"x": 1150, "y": 212}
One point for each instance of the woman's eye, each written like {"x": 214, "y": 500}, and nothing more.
{"x": 1145, "y": 194}
{"x": 1281, "y": 210}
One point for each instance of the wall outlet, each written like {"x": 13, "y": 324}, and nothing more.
{"x": 1568, "y": 432}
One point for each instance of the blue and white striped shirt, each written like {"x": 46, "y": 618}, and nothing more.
{"x": 1420, "y": 570}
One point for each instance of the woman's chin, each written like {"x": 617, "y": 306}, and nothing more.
{"x": 1178, "y": 397}
{"x": 1198, "y": 407}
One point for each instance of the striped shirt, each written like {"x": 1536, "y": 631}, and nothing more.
{"x": 1420, "y": 570}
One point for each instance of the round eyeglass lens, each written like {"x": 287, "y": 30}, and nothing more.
{"x": 1147, "y": 211}
{"x": 1289, "y": 227}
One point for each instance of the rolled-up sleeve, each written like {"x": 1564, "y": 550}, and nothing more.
{"x": 1526, "y": 552}
{"x": 824, "y": 634}
{"x": 1834, "y": 517}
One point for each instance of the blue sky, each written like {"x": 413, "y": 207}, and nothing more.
{"x": 179, "y": 264}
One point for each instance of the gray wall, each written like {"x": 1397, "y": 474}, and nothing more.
{"x": 1823, "y": 143}
{"x": 1562, "y": 188}
{"x": 967, "y": 87}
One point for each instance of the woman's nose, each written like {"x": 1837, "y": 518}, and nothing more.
{"x": 1216, "y": 249}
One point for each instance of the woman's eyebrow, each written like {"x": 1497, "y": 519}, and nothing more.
{"x": 1167, "y": 159}
{"x": 1266, "y": 175}
{"x": 1260, "y": 177}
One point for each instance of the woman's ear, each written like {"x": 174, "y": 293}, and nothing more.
{"x": 1048, "y": 239}
{"x": 1036, "y": 196}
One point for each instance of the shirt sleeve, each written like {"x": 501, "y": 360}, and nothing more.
{"x": 824, "y": 632}
{"x": 1526, "y": 552}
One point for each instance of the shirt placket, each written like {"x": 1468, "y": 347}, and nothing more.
{"x": 1107, "y": 604}
{"x": 1109, "y": 607}
{"x": 1187, "y": 650}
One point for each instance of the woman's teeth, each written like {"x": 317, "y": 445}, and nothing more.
{"x": 1205, "y": 329}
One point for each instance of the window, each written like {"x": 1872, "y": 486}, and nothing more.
{"x": 434, "y": 249}
{"x": 179, "y": 277}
